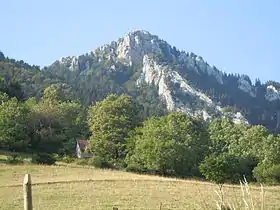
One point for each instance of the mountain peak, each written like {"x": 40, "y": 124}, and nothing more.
{"x": 136, "y": 44}
{"x": 139, "y": 32}
{"x": 182, "y": 80}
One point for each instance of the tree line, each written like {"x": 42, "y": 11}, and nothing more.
{"x": 95, "y": 79}
{"x": 171, "y": 144}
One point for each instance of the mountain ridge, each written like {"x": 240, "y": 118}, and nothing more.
{"x": 151, "y": 70}
{"x": 139, "y": 46}
{"x": 245, "y": 82}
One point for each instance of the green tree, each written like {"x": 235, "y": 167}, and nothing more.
{"x": 224, "y": 133}
{"x": 2, "y": 56}
{"x": 14, "y": 117}
{"x": 52, "y": 95}
{"x": 251, "y": 143}
{"x": 72, "y": 117}
{"x": 55, "y": 124}
{"x": 267, "y": 172}
{"x": 3, "y": 97}
{"x": 271, "y": 149}
{"x": 172, "y": 144}
{"x": 46, "y": 131}
{"x": 11, "y": 87}
{"x": 110, "y": 122}
{"x": 220, "y": 169}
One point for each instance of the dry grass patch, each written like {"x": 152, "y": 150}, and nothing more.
{"x": 13, "y": 174}
{"x": 103, "y": 189}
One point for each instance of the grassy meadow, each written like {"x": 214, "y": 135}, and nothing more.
{"x": 69, "y": 187}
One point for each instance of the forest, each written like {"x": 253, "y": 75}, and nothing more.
{"x": 41, "y": 115}
{"x": 171, "y": 145}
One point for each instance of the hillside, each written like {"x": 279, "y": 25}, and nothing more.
{"x": 22, "y": 80}
{"x": 159, "y": 77}
{"x": 182, "y": 80}
{"x": 60, "y": 187}
{"x": 117, "y": 98}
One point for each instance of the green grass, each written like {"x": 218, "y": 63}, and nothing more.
{"x": 67, "y": 187}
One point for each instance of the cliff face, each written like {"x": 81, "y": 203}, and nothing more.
{"x": 183, "y": 80}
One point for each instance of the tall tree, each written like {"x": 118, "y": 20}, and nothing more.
{"x": 220, "y": 169}
{"x": 110, "y": 122}
{"x": 251, "y": 143}
{"x": 172, "y": 144}
{"x": 224, "y": 132}
{"x": 55, "y": 124}
{"x": 14, "y": 117}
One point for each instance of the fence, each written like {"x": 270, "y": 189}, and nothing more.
{"x": 27, "y": 193}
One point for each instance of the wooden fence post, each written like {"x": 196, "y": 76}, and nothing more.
{"x": 27, "y": 192}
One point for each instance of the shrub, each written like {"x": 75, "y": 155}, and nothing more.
{"x": 14, "y": 159}
{"x": 98, "y": 162}
{"x": 172, "y": 145}
{"x": 136, "y": 168}
{"x": 246, "y": 167}
{"x": 220, "y": 169}
{"x": 43, "y": 158}
{"x": 68, "y": 159}
{"x": 81, "y": 161}
{"x": 267, "y": 173}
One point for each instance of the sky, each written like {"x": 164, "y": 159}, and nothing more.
{"x": 237, "y": 36}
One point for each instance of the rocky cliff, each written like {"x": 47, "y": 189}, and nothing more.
{"x": 182, "y": 80}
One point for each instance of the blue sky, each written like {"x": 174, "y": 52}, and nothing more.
{"x": 239, "y": 36}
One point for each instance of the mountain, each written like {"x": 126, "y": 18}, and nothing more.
{"x": 23, "y": 81}
{"x": 160, "y": 78}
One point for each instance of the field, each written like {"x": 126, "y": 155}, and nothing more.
{"x": 69, "y": 187}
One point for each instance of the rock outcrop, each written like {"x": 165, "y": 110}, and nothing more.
{"x": 173, "y": 73}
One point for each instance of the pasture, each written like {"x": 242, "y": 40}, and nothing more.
{"x": 76, "y": 187}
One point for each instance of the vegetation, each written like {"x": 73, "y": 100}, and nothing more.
{"x": 43, "y": 112}
{"x": 48, "y": 126}
{"x": 170, "y": 145}
{"x": 96, "y": 76}
{"x": 72, "y": 187}
{"x": 110, "y": 122}
{"x": 127, "y": 127}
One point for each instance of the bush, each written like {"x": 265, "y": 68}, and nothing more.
{"x": 267, "y": 173}
{"x": 81, "y": 161}
{"x": 220, "y": 169}
{"x": 172, "y": 145}
{"x": 98, "y": 162}
{"x": 134, "y": 167}
{"x": 68, "y": 159}
{"x": 246, "y": 167}
{"x": 14, "y": 159}
{"x": 43, "y": 158}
